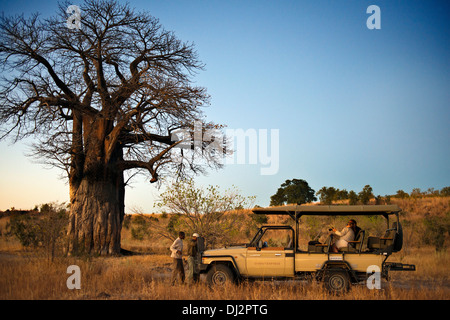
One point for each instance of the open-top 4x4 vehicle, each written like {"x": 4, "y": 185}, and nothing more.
{"x": 264, "y": 259}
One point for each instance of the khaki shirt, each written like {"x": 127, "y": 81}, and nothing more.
{"x": 192, "y": 248}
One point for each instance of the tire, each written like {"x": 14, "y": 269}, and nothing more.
{"x": 337, "y": 282}
{"x": 219, "y": 275}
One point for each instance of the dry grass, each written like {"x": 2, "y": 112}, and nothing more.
{"x": 28, "y": 276}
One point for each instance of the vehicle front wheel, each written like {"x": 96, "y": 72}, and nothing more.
{"x": 337, "y": 282}
{"x": 219, "y": 275}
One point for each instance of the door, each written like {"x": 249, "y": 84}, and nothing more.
{"x": 274, "y": 255}
{"x": 264, "y": 262}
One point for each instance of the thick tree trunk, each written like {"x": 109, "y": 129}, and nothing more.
{"x": 96, "y": 217}
{"x": 97, "y": 193}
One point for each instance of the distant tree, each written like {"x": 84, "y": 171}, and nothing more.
{"x": 278, "y": 198}
{"x": 432, "y": 192}
{"x": 416, "y": 193}
{"x": 293, "y": 191}
{"x": 366, "y": 194}
{"x": 445, "y": 192}
{"x": 378, "y": 199}
{"x": 341, "y": 194}
{"x": 387, "y": 198}
{"x": 401, "y": 194}
{"x": 327, "y": 195}
{"x": 353, "y": 197}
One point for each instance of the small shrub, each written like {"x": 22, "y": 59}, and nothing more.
{"x": 259, "y": 218}
{"x": 436, "y": 230}
{"x": 126, "y": 221}
{"x": 24, "y": 228}
{"x": 46, "y": 230}
{"x": 140, "y": 228}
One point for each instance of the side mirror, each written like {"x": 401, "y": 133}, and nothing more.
{"x": 259, "y": 246}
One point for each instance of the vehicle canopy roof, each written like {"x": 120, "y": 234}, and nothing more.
{"x": 331, "y": 210}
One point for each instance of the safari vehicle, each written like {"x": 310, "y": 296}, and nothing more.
{"x": 261, "y": 259}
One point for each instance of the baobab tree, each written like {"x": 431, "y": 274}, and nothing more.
{"x": 102, "y": 97}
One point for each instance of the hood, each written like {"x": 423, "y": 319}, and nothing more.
{"x": 223, "y": 251}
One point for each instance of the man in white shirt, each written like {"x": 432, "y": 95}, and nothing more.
{"x": 347, "y": 234}
{"x": 177, "y": 253}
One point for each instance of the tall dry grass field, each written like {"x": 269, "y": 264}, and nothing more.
{"x": 28, "y": 274}
{"x": 148, "y": 277}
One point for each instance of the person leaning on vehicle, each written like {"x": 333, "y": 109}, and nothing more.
{"x": 192, "y": 250}
{"x": 177, "y": 254}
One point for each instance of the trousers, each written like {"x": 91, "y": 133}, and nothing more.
{"x": 178, "y": 270}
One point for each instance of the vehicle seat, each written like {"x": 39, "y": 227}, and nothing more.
{"x": 356, "y": 245}
{"x": 374, "y": 243}
{"x": 320, "y": 247}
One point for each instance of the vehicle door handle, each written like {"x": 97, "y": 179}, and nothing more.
{"x": 278, "y": 254}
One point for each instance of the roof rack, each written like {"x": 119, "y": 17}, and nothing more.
{"x": 331, "y": 210}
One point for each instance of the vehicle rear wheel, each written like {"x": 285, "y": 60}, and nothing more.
{"x": 219, "y": 275}
{"x": 337, "y": 281}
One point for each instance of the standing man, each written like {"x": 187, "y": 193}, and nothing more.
{"x": 192, "y": 250}
{"x": 177, "y": 255}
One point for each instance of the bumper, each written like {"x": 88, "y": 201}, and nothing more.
{"x": 203, "y": 267}
{"x": 396, "y": 266}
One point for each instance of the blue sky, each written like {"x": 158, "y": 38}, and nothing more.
{"x": 353, "y": 106}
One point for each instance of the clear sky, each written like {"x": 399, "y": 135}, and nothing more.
{"x": 353, "y": 106}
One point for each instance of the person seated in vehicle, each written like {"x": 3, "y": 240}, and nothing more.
{"x": 356, "y": 230}
{"x": 342, "y": 237}
{"x": 287, "y": 243}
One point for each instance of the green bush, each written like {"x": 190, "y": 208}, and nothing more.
{"x": 45, "y": 230}
{"x": 436, "y": 230}
{"x": 140, "y": 228}
{"x": 24, "y": 228}
{"x": 259, "y": 219}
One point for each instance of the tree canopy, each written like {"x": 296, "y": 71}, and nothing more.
{"x": 109, "y": 97}
{"x": 293, "y": 191}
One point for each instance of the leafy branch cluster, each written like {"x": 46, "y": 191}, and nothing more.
{"x": 207, "y": 211}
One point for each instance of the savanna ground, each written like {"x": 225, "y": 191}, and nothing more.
{"x": 27, "y": 273}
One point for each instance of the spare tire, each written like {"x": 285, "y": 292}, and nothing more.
{"x": 398, "y": 243}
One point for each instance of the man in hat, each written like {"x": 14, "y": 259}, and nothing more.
{"x": 192, "y": 251}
